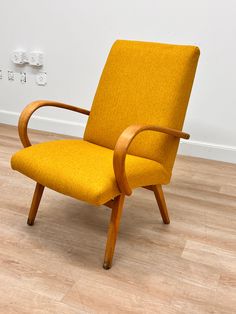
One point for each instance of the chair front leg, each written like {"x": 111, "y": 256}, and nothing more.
{"x": 113, "y": 230}
{"x": 38, "y": 192}
{"x": 157, "y": 189}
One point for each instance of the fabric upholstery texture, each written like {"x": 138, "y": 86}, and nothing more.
{"x": 83, "y": 170}
{"x": 143, "y": 83}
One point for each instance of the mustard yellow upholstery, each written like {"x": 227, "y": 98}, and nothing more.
{"x": 83, "y": 170}
{"x": 143, "y": 83}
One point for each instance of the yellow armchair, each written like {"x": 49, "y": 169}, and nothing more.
{"x": 131, "y": 138}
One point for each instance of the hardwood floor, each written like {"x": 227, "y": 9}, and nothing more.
{"x": 55, "y": 266}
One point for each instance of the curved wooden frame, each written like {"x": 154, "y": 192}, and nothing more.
{"x": 32, "y": 107}
{"x": 122, "y": 146}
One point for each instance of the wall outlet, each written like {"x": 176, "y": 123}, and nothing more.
{"x": 23, "y": 77}
{"x": 35, "y": 58}
{"x": 11, "y": 76}
{"x": 41, "y": 78}
{"x": 18, "y": 57}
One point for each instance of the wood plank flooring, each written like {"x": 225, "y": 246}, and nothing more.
{"x": 55, "y": 266}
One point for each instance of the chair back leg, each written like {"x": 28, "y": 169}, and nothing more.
{"x": 38, "y": 192}
{"x": 113, "y": 229}
{"x": 159, "y": 195}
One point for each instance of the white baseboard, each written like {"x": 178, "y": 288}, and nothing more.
{"x": 45, "y": 124}
{"x": 208, "y": 150}
{"x": 188, "y": 148}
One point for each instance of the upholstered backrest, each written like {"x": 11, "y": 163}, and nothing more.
{"x": 143, "y": 83}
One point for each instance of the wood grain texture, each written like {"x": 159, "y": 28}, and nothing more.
{"x": 159, "y": 195}
{"x": 123, "y": 143}
{"x": 35, "y": 203}
{"x": 185, "y": 267}
{"x": 32, "y": 107}
{"x": 113, "y": 229}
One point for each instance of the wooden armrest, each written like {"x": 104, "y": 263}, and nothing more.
{"x": 30, "y": 109}
{"x": 123, "y": 144}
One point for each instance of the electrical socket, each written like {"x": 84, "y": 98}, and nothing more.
{"x": 23, "y": 77}
{"x": 35, "y": 58}
{"x": 18, "y": 57}
{"x": 41, "y": 78}
{"x": 11, "y": 76}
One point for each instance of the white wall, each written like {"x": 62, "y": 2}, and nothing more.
{"x": 76, "y": 35}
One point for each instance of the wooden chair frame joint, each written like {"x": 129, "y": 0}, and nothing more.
{"x": 122, "y": 146}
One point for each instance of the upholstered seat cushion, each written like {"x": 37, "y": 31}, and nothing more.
{"x": 84, "y": 170}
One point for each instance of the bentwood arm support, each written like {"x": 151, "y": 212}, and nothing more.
{"x": 31, "y": 108}
{"x": 123, "y": 144}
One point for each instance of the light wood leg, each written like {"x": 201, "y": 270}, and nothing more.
{"x": 38, "y": 192}
{"x": 157, "y": 189}
{"x": 113, "y": 230}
